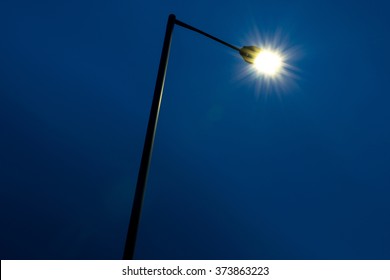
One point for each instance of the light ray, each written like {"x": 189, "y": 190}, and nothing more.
{"x": 273, "y": 71}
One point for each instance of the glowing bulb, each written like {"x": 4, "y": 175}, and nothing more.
{"x": 268, "y": 62}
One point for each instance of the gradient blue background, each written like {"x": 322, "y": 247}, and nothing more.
{"x": 238, "y": 172}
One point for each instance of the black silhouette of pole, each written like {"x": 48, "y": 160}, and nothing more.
{"x": 148, "y": 145}
{"x": 151, "y": 130}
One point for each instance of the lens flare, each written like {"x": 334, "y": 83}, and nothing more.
{"x": 268, "y": 62}
{"x": 272, "y": 63}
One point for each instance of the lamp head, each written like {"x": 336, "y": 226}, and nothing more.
{"x": 249, "y": 53}
{"x": 265, "y": 61}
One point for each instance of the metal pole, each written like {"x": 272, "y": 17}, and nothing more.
{"x": 148, "y": 145}
{"x": 185, "y": 25}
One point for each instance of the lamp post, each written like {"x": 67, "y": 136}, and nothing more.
{"x": 249, "y": 54}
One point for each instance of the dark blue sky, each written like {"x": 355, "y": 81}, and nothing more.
{"x": 295, "y": 170}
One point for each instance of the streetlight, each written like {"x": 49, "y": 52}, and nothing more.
{"x": 265, "y": 61}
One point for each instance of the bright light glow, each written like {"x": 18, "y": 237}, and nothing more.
{"x": 268, "y": 62}
{"x": 273, "y": 71}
